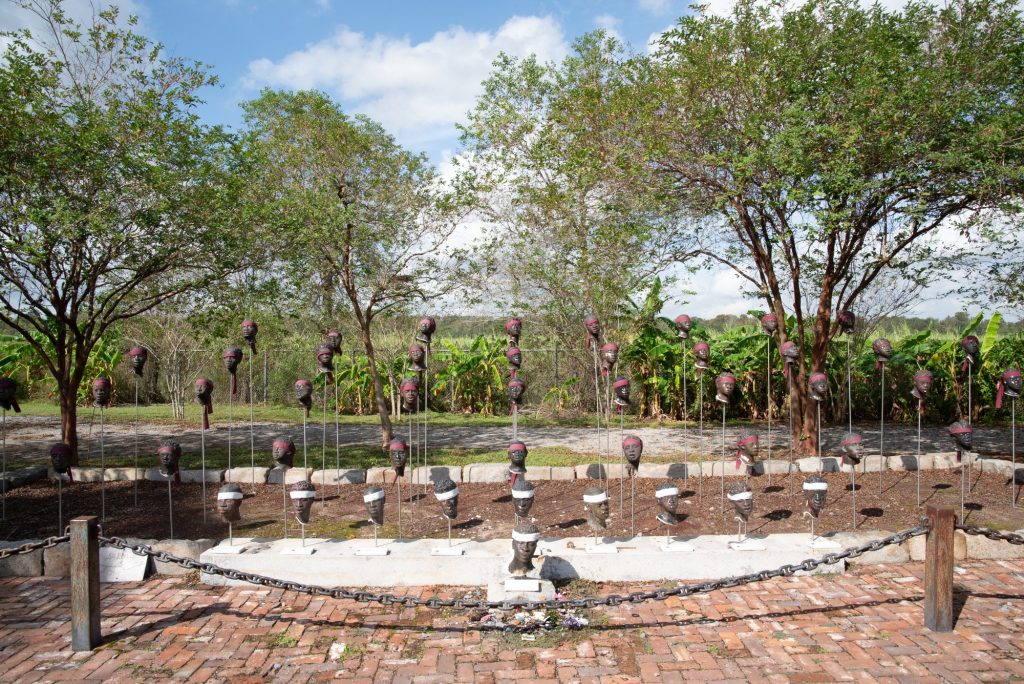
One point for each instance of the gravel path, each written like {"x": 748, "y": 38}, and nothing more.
{"x": 30, "y": 437}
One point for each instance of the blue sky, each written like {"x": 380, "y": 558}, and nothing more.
{"x": 414, "y": 66}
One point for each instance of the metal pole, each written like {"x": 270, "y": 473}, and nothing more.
{"x": 970, "y": 461}
{"x": 252, "y": 429}
{"x": 60, "y": 503}
{"x": 398, "y": 481}
{"x": 938, "y": 570}
{"x": 202, "y": 449}
{"x": 103, "y": 473}
{"x": 722, "y": 461}
{"x": 597, "y": 413}
{"x": 323, "y": 452}
{"x": 632, "y": 505}
{"x": 622, "y": 465}
{"x": 1013, "y": 451}
{"x": 231, "y": 420}
{"x": 818, "y": 421}
{"x": 700, "y": 436}
{"x": 607, "y": 446}
{"x": 337, "y": 437}
{"x": 135, "y": 477}
{"x": 85, "y": 584}
{"x": 170, "y": 507}
{"x": 686, "y": 430}
{"x": 305, "y": 463}
{"x": 853, "y": 493}
{"x": 881, "y": 435}
{"x": 849, "y": 387}
{"x": 284, "y": 502}
{"x": 426, "y": 411}
{"x": 769, "y": 409}
{"x": 918, "y": 462}
{"x": 3, "y": 455}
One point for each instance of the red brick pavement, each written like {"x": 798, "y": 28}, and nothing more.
{"x": 862, "y": 626}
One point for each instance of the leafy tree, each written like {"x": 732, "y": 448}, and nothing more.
{"x": 112, "y": 195}
{"x": 576, "y": 224}
{"x": 344, "y": 203}
{"x": 827, "y": 145}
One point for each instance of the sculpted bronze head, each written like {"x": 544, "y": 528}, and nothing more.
{"x": 725, "y": 386}
{"x": 399, "y": 452}
{"x": 249, "y": 330}
{"x": 972, "y": 351}
{"x": 410, "y": 391}
{"x": 609, "y": 357}
{"x": 425, "y": 330}
{"x": 632, "y": 449}
{"x": 701, "y": 355}
{"x": 514, "y": 356}
{"x": 232, "y": 358}
{"x": 138, "y": 357}
{"x": 593, "y": 328}
{"x": 283, "y": 449}
{"x": 517, "y": 454}
{"x": 447, "y": 494}
{"x": 852, "y": 448}
{"x": 302, "y": 495}
{"x": 621, "y": 389}
{"x": 304, "y": 394}
{"x": 204, "y": 397}
{"x": 883, "y": 351}
{"x": 333, "y": 339}
{"x": 101, "y": 391}
{"x": 817, "y": 386}
{"x": 595, "y": 507}
{"x": 522, "y": 496}
{"x": 667, "y": 495}
{"x": 169, "y": 454}
{"x": 9, "y": 395}
{"x": 417, "y": 358}
{"x": 513, "y": 328}
{"x": 524, "y": 545}
{"x": 229, "y": 502}
{"x": 1009, "y": 385}
{"x": 325, "y": 360}
{"x": 922, "y": 384}
{"x": 683, "y": 326}
{"x": 374, "y": 501}
{"x": 769, "y": 324}
{"x": 742, "y": 499}
{"x": 962, "y": 435}
{"x": 815, "y": 494}
{"x": 847, "y": 322}
{"x": 60, "y": 458}
{"x": 516, "y": 389}
{"x": 747, "y": 446}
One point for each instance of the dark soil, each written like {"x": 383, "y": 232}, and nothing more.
{"x": 485, "y": 510}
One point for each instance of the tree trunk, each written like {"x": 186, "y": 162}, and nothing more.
{"x": 378, "y": 388}
{"x": 69, "y": 417}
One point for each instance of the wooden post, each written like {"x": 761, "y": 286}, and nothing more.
{"x": 938, "y": 570}
{"x": 85, "y": 583}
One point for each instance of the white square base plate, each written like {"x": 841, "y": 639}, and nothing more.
{"x": 747, "y": 545}
{"x": 676, "y": 547}
{"x": 601, "y": 548}
{"x": 522, "y": 584}
{"x": 298, "y": 551}
{"x": 235, "y": 548}
{"x": 447, "y": 551}
{"x": 373, "y": 551}
{"x": 822, "y": 543}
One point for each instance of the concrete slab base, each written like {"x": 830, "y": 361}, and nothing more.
{"x": 298, "y": 551}
{"x": 338, "y": 562}
{"x": 820, "y": 543}
{"x": 747, "y": 545}
{"x": 521, "y": 589}
{"x": 448, "y": 551}
{"x": 373, "y": 551}
{"x": 601, "y": 548}
{"x": 676, "y": 547}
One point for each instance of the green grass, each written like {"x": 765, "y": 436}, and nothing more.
{"x": 160, "y": 414}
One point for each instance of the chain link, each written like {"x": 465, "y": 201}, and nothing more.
{"x": 463, "y": 603}
{"x": 29, "y": 547}
{"x": 995, "y": 535}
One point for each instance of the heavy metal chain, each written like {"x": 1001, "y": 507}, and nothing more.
{"x": 588, "y": 602}
{"x": 47, "y": 543}
{"x": 996, "y": 535}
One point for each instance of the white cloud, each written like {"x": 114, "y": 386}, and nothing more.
{"x": 655, "y": 6}
{"x": 610, "y": 24}
{"x": 416, "y": 90}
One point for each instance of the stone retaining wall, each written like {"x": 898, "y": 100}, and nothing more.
{"x": 498, "y": 472}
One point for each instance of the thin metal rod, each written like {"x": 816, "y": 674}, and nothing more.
{"x": 1013, "y": 451}
{"x": 202, "y": 449}
{"x": 632, "y": 506}
{"x": 597, "y": 413}
{"x": 323, "y": 452}
{"x": 622, "y": 466}
{"x": 302, "y": 529}
{"x": 337, "y": 437}
{"x": 853, "y": 493}
{"x": 607, "y": 445}
{"x": 103, "y": 472}
{"x": 60, "y": 504}
{"x": 768, "y": 409}
{"x": 252, "y": 429}
{"x": 849, "y": 387}
{"x": 170, "y": 507}
{"x": 305, "y": 464}
{"x": 284, "y": 502}
{"x": 398, "y": 481}
{"x": 686, "y": 429}
{"x": 375, "y": 534}
{"x": 3, "y": 455}
{"x": 722, "y": 461}
{"x": 970, "y": 460}
{"x": 962, "y": 469}
{"x": 881, "y": 435}
{"x": 409, "y": 418}
{"x": 449, "y": 531}
{"x": 231, "y": 535}
{"x": 231, "y": 421}
{"x": 818, "y": 421}
{"x": 426, "y": 413}
{"x": 700, "y": 436}
{"x": 135, "y": 476}
{"x": 918, "y": 463}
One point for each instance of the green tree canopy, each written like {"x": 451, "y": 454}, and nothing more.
{"x": 112, "y": 194}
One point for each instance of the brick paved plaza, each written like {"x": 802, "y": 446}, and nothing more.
{"x": 862, "y": 626}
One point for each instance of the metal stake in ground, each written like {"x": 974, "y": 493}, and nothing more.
{"x": 103, "y": 473}
{"x": 686, "y": 430}
{"x": 881, "y": 435}
{"x": 1013, "y": 450}
{"x": 170, "y": 507}
{"x": 597, "y": 414}
{"x": 918, "y": 462}
{"x": 768, "y": 409}
{"x": 700, "y": 436}
{"x": 722, "y": 460}
{"x": 3, "y": 455}
{"x": 202, "y": 451}
{"x": 426, "y": 410}
{"x": 135, "y": 478}
{"x": 323, "y": 449}
{"x": 337, "y": 438}
{"x": 252, "y": 431}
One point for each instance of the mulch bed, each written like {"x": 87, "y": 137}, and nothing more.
{"x": 485, "y": 510}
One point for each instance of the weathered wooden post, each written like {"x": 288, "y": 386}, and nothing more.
{"x": 938, "y": 570}
{"x": 85, "y": 583}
